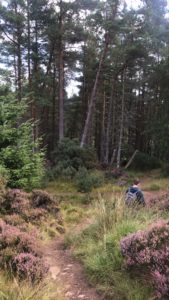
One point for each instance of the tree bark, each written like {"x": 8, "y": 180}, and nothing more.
{"x": 61, "y": 75}
{"x": 131, "y": 159}
{"x": 107, "y": 138}
{"x": 121, "y": 123}
{"x": 19, "y": 57}
{"x": 102, "y": 148}
{"x": 93, "y": 95}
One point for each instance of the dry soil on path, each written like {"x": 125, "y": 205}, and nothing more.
{"x": 67, "y": 272}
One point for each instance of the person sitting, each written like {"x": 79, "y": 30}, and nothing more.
{"x": 134, "y": 195}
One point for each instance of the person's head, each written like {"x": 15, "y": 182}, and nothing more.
{"x": 136, "y": 181}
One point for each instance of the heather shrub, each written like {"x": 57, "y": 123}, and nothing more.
{"x": 29, "y": 266}
{"x": 29, "y": 207}
{"x": 41, "y": 198}
{"x": 19, "y": 251}
{"x": 149, "y": 250}
{"x": 13, "y": 219}
{"x": 12, "y": 236}
{"x": 44, "y": 201}
{"x": 35, "y": 215}
{"x": 16, "y": 201}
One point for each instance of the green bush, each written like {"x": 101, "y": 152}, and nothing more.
{"x": 97, "y": 179}
{"x": 85, "y": 181}
{"x": 69, "y": 157}
{"x": 145, "y": 162}
{"x": 19, "y": 154}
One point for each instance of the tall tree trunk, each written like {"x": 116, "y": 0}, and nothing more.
{"x": 54, "y": 108}
{"x": 109, "y": 121}
{"x": 102, "y": 148}
{"x": 29, "y": 57}
{"x": 35, "y": 75}
{"x": 19, "y": 58}
{"x": 121, "y": 123}
{"x": 29, "y": 42}
{"x": 93, "y": 95}
{"x": 61, "y": 75}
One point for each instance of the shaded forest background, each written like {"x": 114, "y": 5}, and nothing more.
{"x": 119, "y": 58}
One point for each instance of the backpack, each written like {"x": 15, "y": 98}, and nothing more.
{"x": 130, "y": 198}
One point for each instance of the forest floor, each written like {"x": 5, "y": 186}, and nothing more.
{"x": 67, "y": 271}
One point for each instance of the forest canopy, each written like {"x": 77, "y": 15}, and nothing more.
{"x": 117, "y": 56}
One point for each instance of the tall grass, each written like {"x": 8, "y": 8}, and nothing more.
{"x": 12, "y": 289}
{"x": 98, "y": 248}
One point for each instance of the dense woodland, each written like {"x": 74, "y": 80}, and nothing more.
{"x": 118, "y": 57}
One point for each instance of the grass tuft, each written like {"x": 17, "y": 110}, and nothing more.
{"x": 13, "y": 290}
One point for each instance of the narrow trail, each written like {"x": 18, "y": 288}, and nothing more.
{"x": 67, "y": 271}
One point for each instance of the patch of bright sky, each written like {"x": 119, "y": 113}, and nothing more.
{"x": 137, "y": 3}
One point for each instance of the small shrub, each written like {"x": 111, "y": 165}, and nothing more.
{"x": 16, "y": 201}
{"x": 150, "y": 250}
{"x": 97, "y": 179}
{"x": 19, "y": 251}
{"x": 14, "y": 237}
{"x": 69, "y": 157}
{"x": 83, "y": 181}
{"x": 44, "y": 201}
{"x": 28, "y": 266}
{"x": 41, "y": 198}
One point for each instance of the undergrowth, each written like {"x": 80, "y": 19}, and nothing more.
{"x": 98, "y": 247}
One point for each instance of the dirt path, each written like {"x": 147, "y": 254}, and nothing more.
{"x": 68, "y": 272}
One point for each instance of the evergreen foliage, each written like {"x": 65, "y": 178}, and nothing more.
{"x": 19, "y": 155}
{"x": 45, "y": 47}
{"x": 85, "y": 180}
{"x": 69, "y": 157}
